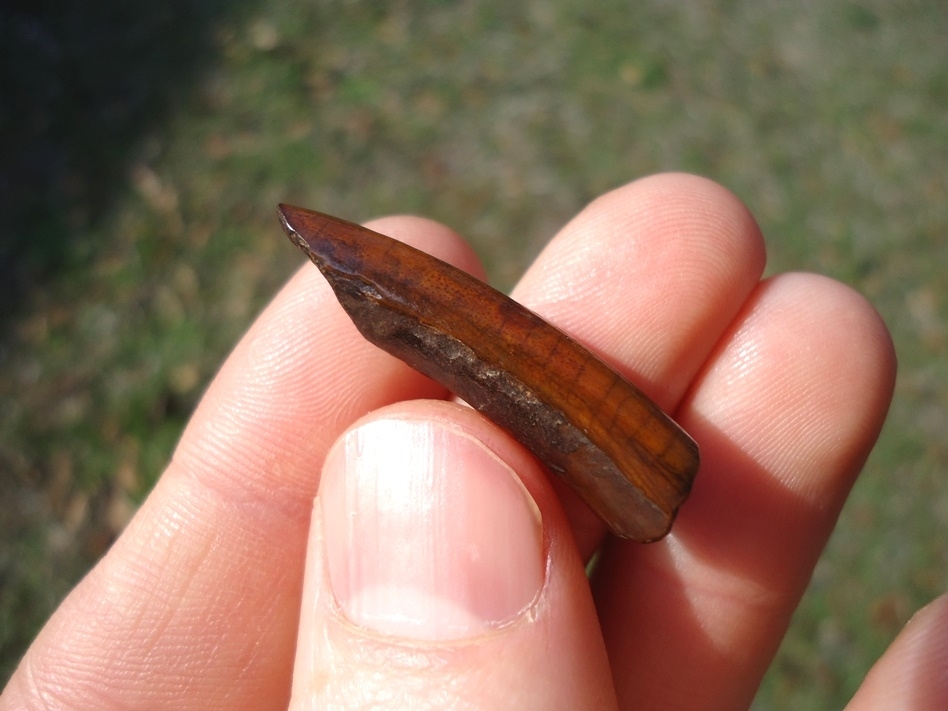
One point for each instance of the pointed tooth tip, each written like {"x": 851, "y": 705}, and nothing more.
{"x": 289, "y": 217}
{"x": 286, "y": 212}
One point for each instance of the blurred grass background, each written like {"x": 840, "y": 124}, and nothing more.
{"x": 143, "y": 147}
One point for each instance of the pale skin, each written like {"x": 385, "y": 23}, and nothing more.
{"x": 783, "y": 382}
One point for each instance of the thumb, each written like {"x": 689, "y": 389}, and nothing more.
{"x": 438, "y": 577}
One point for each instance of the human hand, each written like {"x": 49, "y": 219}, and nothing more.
{"x": 443, "y": 567}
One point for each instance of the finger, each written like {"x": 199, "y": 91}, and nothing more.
{"x": 442, "y": 573}
{"x": 785, "y": 413}
{"x": 911, "y": 674}
{"x": 300, "y": 376}
{"x": 648, "y": 276}
{"x": 197, "y": 603}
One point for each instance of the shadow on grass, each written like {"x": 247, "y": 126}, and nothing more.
{"x": 81, "y": 84}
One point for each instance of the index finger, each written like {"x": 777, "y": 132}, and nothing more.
{"x": 208, "y": 574}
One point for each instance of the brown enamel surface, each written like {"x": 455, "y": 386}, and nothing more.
{"x": 628, "y": 461}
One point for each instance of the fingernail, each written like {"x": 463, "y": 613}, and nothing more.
{"x": 428, "y": 534}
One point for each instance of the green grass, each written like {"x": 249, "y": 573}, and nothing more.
{"x": 148, "y": 150}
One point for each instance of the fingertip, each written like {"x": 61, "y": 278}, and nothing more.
{"x": 676, "y": 208}
{"x": 649, "y": 275}
{"x": 911, "y": 674}
{"x": 432, "y": 564}
{"x": 848, "y": 312}
{"x": 825, "y": 357}
{"x": 428, "y": 533}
